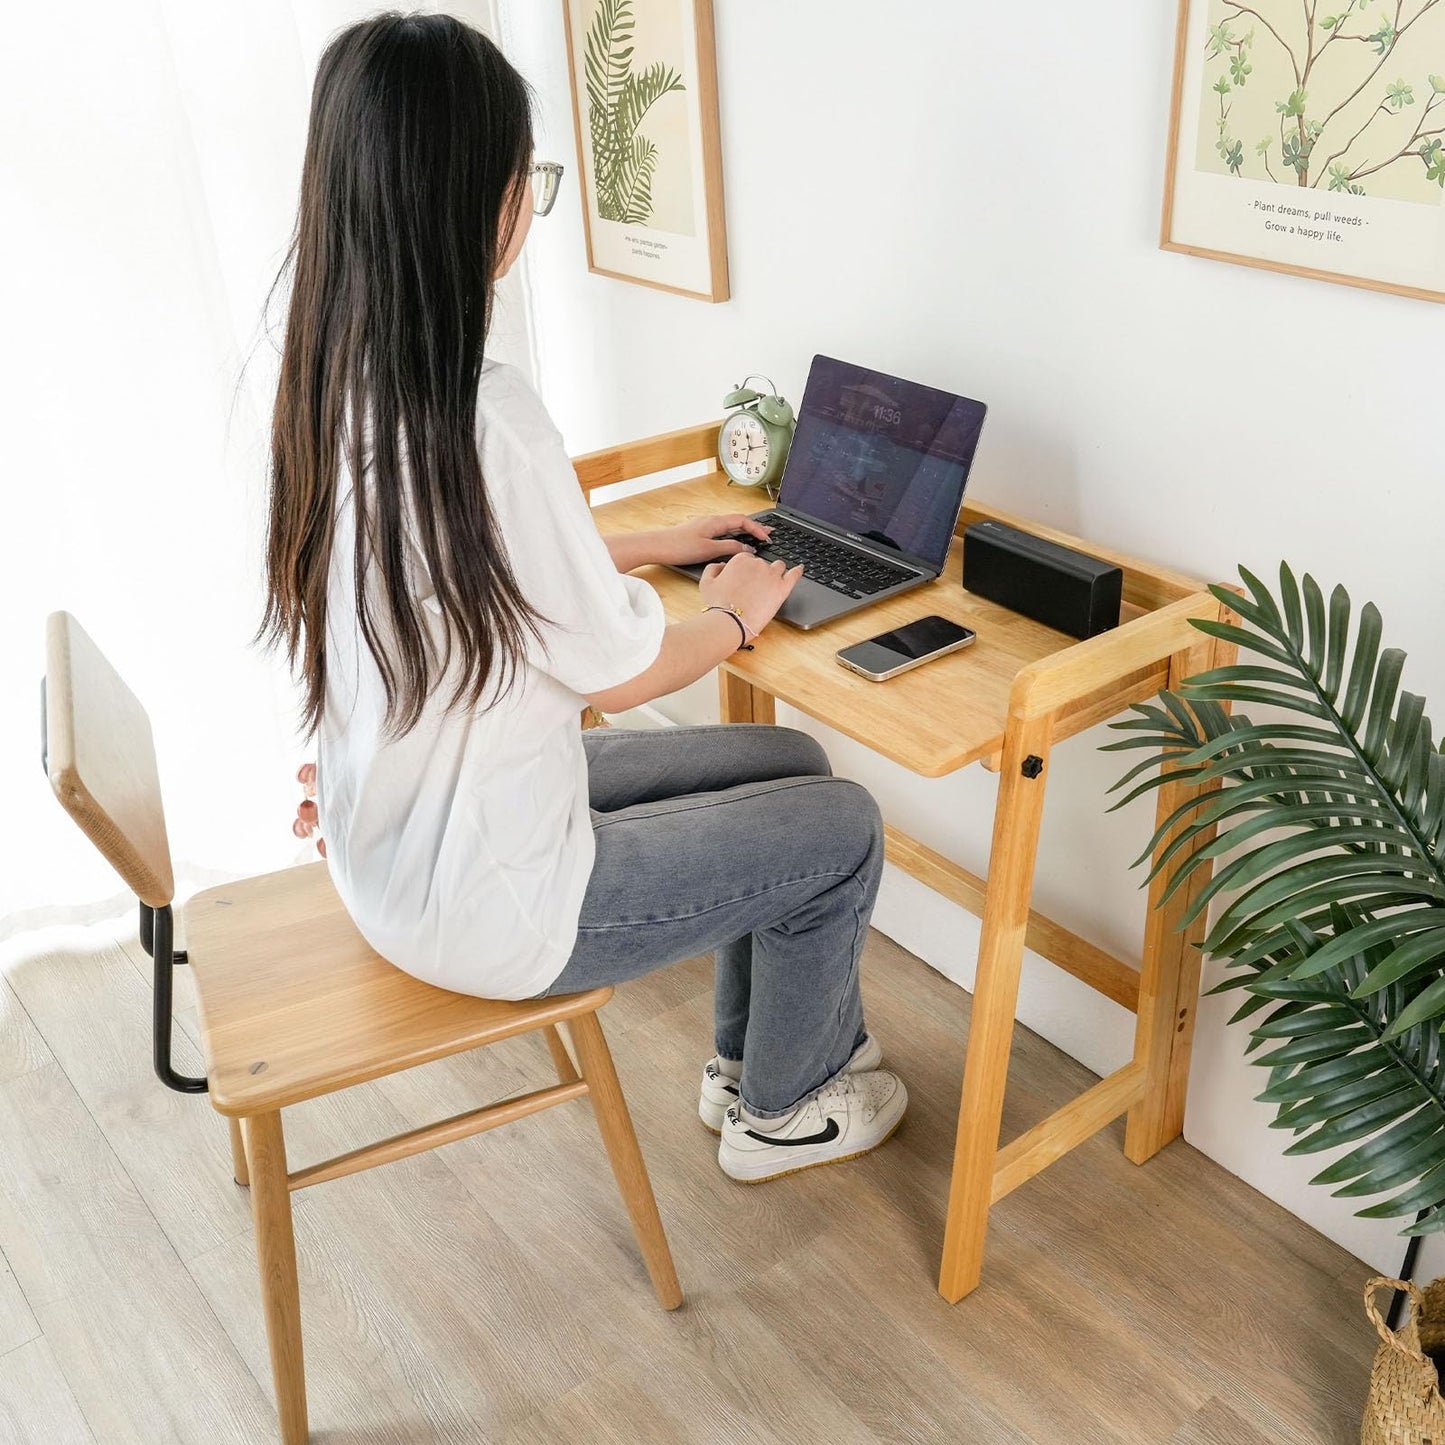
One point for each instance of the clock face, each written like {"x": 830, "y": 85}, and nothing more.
{"x": 745, "y": 449}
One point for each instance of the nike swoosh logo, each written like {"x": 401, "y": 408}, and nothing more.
{"x": 826, "y": 1137}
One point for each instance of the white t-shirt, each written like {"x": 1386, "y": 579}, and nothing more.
{"x": 463, "y": 849}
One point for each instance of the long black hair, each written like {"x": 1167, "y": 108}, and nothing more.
{"x": 417, "y": 162}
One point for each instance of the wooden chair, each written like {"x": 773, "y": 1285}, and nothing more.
{"x": 294, "y": 1004}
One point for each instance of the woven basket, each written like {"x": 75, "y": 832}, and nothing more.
{"x": 1404, "y": 1405}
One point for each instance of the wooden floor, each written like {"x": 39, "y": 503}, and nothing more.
{"x": 490, "y": 1291}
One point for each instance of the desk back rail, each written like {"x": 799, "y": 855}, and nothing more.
{"x": 1146, "y": 586}
{"x": 631, "y": 461}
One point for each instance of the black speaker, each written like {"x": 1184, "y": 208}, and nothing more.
{"x": 1055, "y": 585}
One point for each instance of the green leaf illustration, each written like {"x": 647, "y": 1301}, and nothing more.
{"x": 641, "y": 93}
{"x": 1400, "y": 95}
{"x": 607, "y": 58}
{"x": 636, "y": 193}
{"x": 1296, "y": 153}
{"x": 623, "y": 160}
{"x": 1240, "y": 69}
{"x": 1437, "y": 84}
{"x": 1222, "y": 85}
{"x": 1433, "y": 154}
{"x": 1294, "y": 105}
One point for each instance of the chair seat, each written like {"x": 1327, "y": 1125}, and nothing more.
{"x": 295, "y": 1003}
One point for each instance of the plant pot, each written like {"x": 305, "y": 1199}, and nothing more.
{"x": 1404, "y": 1405}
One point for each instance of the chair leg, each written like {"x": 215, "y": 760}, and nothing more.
{"x": 240, "y": 1171}
{"x": 566, "y": 1069}
{"x": 615, "y": 1124}
{"x": 276, "y": 1255}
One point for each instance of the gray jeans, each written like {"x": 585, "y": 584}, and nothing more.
{"x": 737, "y": 839}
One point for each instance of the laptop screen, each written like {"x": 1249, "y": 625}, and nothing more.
{"x": 882, "y": 458}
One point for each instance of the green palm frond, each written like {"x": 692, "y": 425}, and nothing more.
{"x": 607, "y": 64}
{"x": 623, "y": 161}
{"x": 1342, "y": 1070}
{"x": 641, "y": 93}
{"x": 634, "y": 191}
{"x": 1329, "y": 875}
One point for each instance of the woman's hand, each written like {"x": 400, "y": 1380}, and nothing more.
{"x": 307, "y": 821}
{"x": 756, "y": 588}
{"x": 689, "y": 649}
{"x": 694, "y": 541}
{"x": 697, "y": 540}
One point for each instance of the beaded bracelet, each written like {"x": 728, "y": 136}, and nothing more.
{"x": 744, "y": 644}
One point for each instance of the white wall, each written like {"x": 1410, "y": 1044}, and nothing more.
{"x": 971, "y": 200}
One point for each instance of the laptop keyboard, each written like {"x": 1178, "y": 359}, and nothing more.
{"x": 854, "y": 574}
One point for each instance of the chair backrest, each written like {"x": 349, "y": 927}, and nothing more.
{"x": 101, "y": 760}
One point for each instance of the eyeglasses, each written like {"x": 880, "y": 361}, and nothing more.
{"x": 546, "y": 177}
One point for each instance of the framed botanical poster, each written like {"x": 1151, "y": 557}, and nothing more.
{"x": 1308, "y": 136}
{"x": 644, "y": 100}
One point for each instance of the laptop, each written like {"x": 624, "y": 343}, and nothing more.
{"x": 871, "y": 491}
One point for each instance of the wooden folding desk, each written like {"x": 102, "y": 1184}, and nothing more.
{"x": 1004, "y": 702}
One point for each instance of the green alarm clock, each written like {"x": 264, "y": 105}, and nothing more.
{"x": 752, "y": 443}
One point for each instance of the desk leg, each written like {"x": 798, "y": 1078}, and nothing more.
{"x": 1168, "y": 977}
{"x": 995, "y": 996}
{"x": 740, "y": 702}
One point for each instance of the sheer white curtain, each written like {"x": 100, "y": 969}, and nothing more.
{"x": 149, "y": 159}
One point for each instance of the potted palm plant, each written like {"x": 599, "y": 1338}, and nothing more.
{"x": 1325, "y": 808}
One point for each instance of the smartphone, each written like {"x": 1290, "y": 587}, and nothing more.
{"x": 890, "y": 653}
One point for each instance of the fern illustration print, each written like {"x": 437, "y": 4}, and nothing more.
{"x": 645, "y": 109}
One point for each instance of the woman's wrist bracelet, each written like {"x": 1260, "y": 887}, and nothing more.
{"x": 747, "y": 634}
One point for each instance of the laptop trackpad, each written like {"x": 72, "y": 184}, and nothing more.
{"x": 810, "y": 603}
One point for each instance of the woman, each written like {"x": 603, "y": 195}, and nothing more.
{"x": 436, "y": 578}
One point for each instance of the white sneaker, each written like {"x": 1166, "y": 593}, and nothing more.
{"x": 853, "y": 1114}
{"x": 720, "y": 1087}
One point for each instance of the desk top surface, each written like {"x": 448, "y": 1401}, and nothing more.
{"x": 933, "y": 720}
